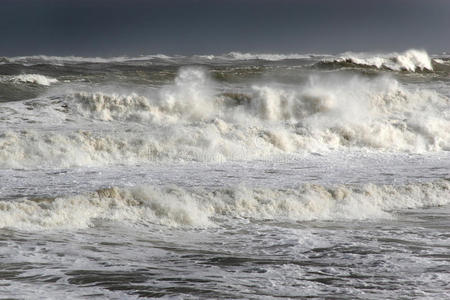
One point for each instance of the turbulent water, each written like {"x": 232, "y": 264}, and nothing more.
{"x": 236, "y": 176}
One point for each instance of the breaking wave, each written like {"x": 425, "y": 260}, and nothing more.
{"x": 327, "y": 112}
{"x": 411, "y": 60}
{"x": 200, "y": 207}
{"x": 195, "y": 119}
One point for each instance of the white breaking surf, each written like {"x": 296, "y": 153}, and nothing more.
{"x": 200, "y": 207}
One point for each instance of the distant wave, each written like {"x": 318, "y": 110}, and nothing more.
{"x": 266, "y": 56}
{"x": 200, "y": 207}
{"x": 34, "y": 59}
{"x": 29, "y": 78}
{"x": 231, "y": 56}
{"x": 411, "y": 60}
{"x": 442, "y": 61}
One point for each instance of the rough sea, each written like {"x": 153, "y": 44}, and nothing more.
{"x": 235, "y": 176}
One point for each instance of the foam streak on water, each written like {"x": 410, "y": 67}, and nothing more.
{"x": 225, "y": 176}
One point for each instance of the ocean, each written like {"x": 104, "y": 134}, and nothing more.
{"x": 235, "y": 176}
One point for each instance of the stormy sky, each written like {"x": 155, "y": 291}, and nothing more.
{"x": 134, "y": 27}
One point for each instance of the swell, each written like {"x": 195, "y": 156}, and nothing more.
{"x": 199, "y": 207}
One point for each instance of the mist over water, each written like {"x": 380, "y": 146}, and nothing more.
{"x": 239, "y": 175}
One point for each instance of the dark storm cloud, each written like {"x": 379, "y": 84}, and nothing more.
{"x": 95, "y": 27}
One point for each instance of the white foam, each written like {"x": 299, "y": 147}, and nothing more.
{"x": 411, "y": 60}
{"x": 174, "y": 206}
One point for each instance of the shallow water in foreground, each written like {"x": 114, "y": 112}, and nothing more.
{"x": 234, "y": 176}
{"x": 407, "y": 258}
